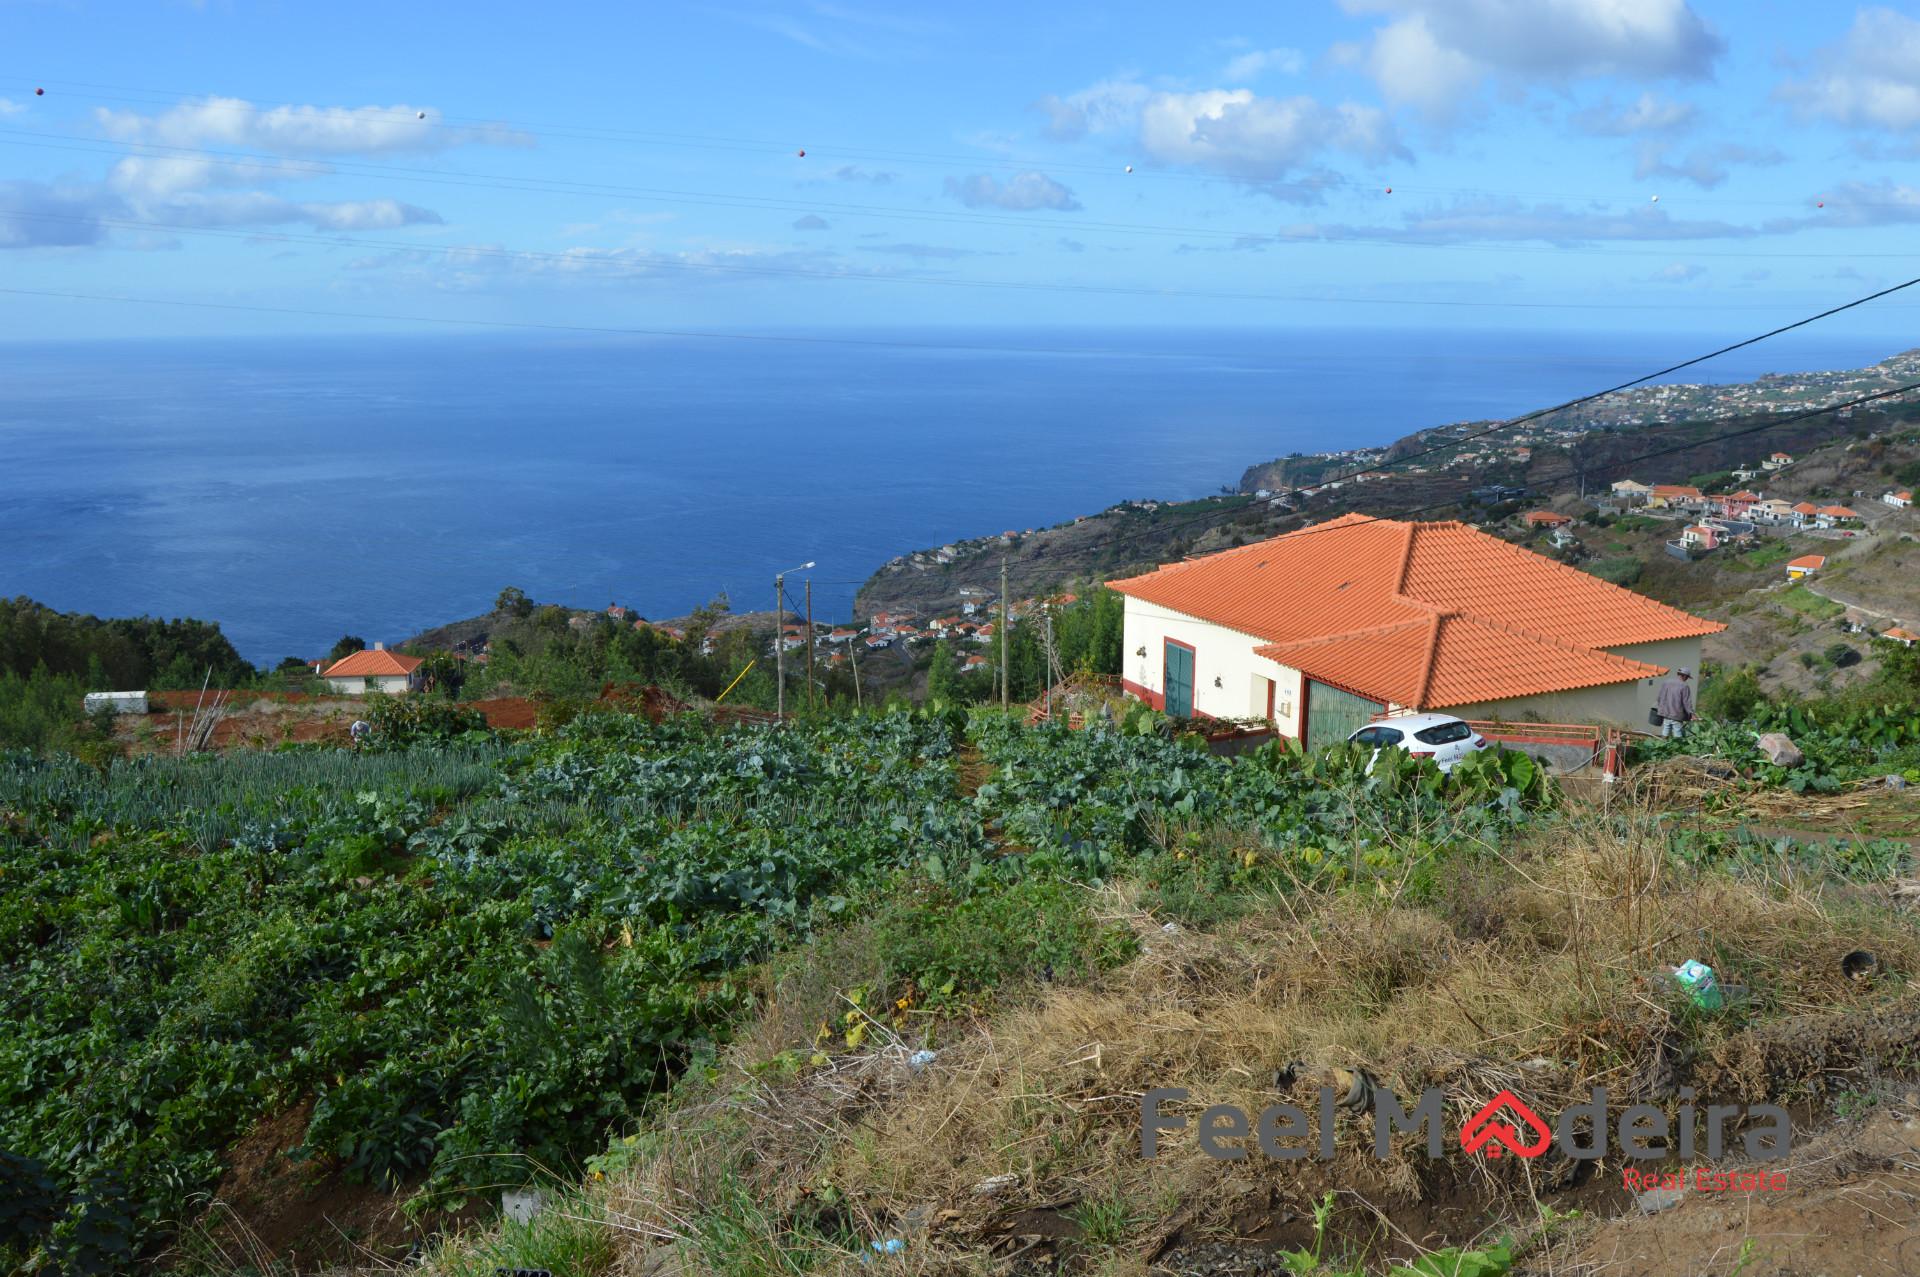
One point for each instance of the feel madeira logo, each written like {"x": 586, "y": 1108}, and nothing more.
{"x": 1505, "y": 1126}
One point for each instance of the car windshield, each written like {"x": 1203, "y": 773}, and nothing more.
{"x": 1444, "y": 733}
{"x": 1389, "y": 736}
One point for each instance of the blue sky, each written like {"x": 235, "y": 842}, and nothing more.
{"x": 1609, "y": 165}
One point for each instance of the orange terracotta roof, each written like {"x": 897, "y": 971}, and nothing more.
{"x": 1806, "y": 507}
{"x": 1901, "y": 633}
{"x": 371, "y": 664}
{"x": 1837, "y": 512}
{"x": 1420, "y": 614}
{"x": 1674, "y": 490}
{"x": 1811, "y": 562}
{"x": 1538, "y": 517}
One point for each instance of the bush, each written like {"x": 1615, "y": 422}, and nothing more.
{"x": 948, "y": 947}
{"x": 1623, "y": 570}
{"x": 1841, "y": 655}
{"x": 402, "y": 720}
{"x": 1731, "y": 697}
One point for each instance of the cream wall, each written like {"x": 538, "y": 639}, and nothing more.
{"x": 1620, "y": 704}
{"x": 1228, "y": 655}
{"x": 390, "y": 683}
{"x": 1218, "y": 652}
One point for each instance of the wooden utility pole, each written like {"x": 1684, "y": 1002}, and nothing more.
{"x": 780, "y": 644}
{"x": 1004, "y": 670}
{"x": 853, "y": 657}
{"x": 809, "y": 643}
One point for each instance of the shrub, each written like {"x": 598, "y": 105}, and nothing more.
{"x": 1731, "y": 697}
{"x": 402, "y": 720}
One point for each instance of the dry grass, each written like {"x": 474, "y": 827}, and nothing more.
{"x": 1530, "y": 970}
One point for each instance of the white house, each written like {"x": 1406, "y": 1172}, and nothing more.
{"x": 374, "y": 670}
{"x": 1319, "y": 630}
{"x": 1778, "y": 461}
{"x": 1632, "y": 492}
{"x": 1900, "y": 500}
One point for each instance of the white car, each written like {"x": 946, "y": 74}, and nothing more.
{"x": 1441, "y": 737}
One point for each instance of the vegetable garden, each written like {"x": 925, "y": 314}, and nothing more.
{"x": 475, "y": 956}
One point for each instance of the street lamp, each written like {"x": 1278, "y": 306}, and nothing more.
{"x": 780, "y": 636}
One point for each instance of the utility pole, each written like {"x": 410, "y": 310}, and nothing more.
{"x": 780, "y": 638}
{"x": 1048, "y": 609}
{"x": 1004, "y": 670}
{"x": 809, "y": 643}
{"x": 853, "y": 657}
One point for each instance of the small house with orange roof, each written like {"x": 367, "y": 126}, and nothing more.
{"x": 1778, "y": 461}
{"x": 1675, "y": 496}
{"x": 1321, "y": 629}
{"x": 1901, "y": 635}
{"x": 1805, "y": 566}
{"x": 374, "y": 669}
{"x": 1899, "y": 500}
{"x": 1832, "y": 516}
{"x": 1547, "y": 519}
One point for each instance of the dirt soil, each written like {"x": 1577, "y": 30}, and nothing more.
{"x": 1848, "y": 1207}
{"x": 271, "y": 1209}
{"x": 263, "y": 720}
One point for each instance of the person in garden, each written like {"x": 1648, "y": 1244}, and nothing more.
{"x": 1675, "y": 703}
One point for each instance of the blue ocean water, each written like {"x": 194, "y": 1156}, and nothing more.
{"x": 296, "y": 489}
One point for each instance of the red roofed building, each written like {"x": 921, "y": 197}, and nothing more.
{"x": 1546, "y": 519}
{"x": 1320, "y": 629}
{"x": 374, "y": 670}
{"x": 1674, "y": 495}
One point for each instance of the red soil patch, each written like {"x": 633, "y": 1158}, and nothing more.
{"x": 516, "y": 712}
{"x": 270, "y": 1208}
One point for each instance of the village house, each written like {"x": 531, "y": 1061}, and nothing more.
{"x": 1675, "y": 496}
{"x": 877, "y": 641}
{"x": 983, "y": 634}
{"x": 1319, "y": 630}
{"x": 841, "y": 634}
{"x": 1628, "y": 492}
{"x": 374, "y": 669}
{"x": 1805, "y": 566}
{"x": 973, "y": 663}
{"x": 1735, "y": 505}
{"x": 1831, "y": 516}
{"x": 1803, "y": 513}
{"x": 1701, "y": 536}
{"x": 1899, "y": 500}
{"x": 1778, "y": 461}
{"x": 1904, "y": 637}
{"x": 1546, "y": 519}
{"x": 1772, "y": 510}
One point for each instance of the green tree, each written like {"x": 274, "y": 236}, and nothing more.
{"x": 347, "y": 646}
{"x": 943, "y": 681}
{"x": 513, "y": 601}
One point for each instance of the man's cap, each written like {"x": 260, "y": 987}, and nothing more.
{"x": 1684, "y": 673}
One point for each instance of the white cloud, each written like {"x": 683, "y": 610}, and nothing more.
{"x": 1023, "y": 192}
{"x": 9, "y": 107}
{"x": 1870, "y": 79}
{"x": 36, "y": 215}
{"x": 1678, "y": 273}
{"x": 1433, "y": 53}
{"x": 257, "y": 208}
{"x": 1649, "y": 113}
{"x": 811, "y": 222}
{"x": 1475, "y": 219}
{"x": 1704, "y": 166}
{"x": 1259, "y": 139}
{"x": 1858, "y": 204}
{"x": 854, "y": 173}
{"x": 1252, "y": 65}
{"x": 1273, "y": 143}
{"x": 305, "y": 130}
{"x": 1099, "y": 108}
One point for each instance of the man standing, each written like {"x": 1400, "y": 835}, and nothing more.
{"x": 1676, "y": 703}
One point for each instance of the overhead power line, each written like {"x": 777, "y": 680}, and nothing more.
{"x": 641, "y": 268}
{"x": 1510, "y": 423}
{"x": 829, "y": 149}
{"x": 283, "y": 164}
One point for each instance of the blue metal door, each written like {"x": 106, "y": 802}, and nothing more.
{"x": 1179, "y": 680}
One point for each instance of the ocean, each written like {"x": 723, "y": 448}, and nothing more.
{"x": 298, "y": 489}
